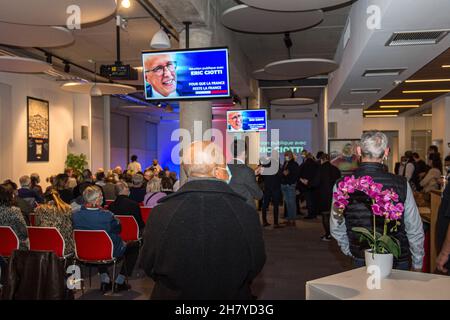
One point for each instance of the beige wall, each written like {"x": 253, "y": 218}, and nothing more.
{"x": 349, "y": 122}
{"x": 13, "y": 120}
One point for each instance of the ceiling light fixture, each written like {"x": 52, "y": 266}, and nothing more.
{"x": 381, "y": 116}
{"x": 446, "y": 66}
{"x": 126, "y": 4}
{"x": 427, "y": 80}
{"x": 400, "y": 100}
{"x": 381, "y": 111}
{"x": 160, "y": 40}
{"x": 401, "y": 106}
{"x": 382, "y": 72}
{"x": 427, "y": 115}
{"x": 427, "y": 91}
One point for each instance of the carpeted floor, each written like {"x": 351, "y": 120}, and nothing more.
{"x": 294, "y": 255}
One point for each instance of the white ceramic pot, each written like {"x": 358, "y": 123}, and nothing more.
{"x": 383, "y": 261}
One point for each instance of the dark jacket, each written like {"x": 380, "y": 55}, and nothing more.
{"x": 100, "y": 220}
{"x": 292, "y": 177}
{"x": 243, "y": 182}
{"x": 25, "y": 193}
{"x": 137, "y": 194}
{"x": 203, "y": 242}
{"x": 66, "y": 195}
{"x": 309, "y": 171}
{"x": 125, "y": 206}
{"x": 324, "y": 181}
{"x": 35, "y": 275}
{"x": 359, "y": 214}
{"x": 443, "y": 217}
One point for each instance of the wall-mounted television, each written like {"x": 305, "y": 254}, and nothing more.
{"x": 247, "y": 120}
{"x": 186, "y": 74}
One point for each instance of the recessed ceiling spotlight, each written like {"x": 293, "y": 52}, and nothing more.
{"x": 126, "y": 4}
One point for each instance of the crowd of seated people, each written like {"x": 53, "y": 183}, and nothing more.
{"x": 74, "y": 201}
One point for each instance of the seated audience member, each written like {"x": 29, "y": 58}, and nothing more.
{"x": 109, "y": 187}
{"x": 50, "y": 180}
{"x": 72, "y": 183}
{"x": 87, "y": 181}
{"x": 433, "y": 176}
{"x": 173, "y": 176}
{"x": 57, "y": 213}
{"x": 92, "y": 217}
{"x": 27, "y": 194}
{"x": 11, "y": 216}
{"x": 35, "y": 180}
{"x": 153, "y": 193}
{"x": 167, "y": 172}
{"x": 175, "y": 181}
{"x": 100, "y": 178}
{"x": 61, "y": 185}
{"x": 117, "y": 172}
{"x": 166, "y": 185}
{"x": 24, "y": 206}
{"x": 148, "y": 175}
{"x": 203, "y": 242}
{"x": 123, "y": 205}
{"x": 137, "y": 190}
{"x": 155, "y": 167}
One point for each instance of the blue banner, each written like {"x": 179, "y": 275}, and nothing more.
{"x": 247, "y": 120}
{"x": 189, "y": 74}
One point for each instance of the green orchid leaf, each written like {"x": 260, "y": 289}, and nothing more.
{"x": 390, "y": 245}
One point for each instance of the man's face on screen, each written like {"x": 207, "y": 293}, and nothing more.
{"x": 160, "y": 73}
{"x": 235, "y": 120}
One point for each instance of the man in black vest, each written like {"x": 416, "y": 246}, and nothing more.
{"x": 374, "y": 149}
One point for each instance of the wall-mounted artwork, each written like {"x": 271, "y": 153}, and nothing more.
{"x": 38, "y": 130}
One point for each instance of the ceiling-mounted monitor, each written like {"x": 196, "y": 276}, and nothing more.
{"x": 247, "y": 120}
{"x": 186, "y": 74}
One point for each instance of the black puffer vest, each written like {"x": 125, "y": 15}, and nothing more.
{"x": 359, "y": 213}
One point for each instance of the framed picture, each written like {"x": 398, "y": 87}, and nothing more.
{"x": 38, "y": 130}
{"x": 343, "y": 154}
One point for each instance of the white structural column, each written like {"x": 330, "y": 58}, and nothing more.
{"x": 440, "y": 127}
{"x": 106, "y": 133}
{"x": 192, "y": 112}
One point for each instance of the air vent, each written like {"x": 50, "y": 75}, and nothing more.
{"x": 352, "y": 104}
{"x": 383, "y": 72}
{"x": 416, "y": 38}
{"x": 365, "y": 91}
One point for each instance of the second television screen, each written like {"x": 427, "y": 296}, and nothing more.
{"x": 247, "y": 120}
{"x": 186, "y": 74}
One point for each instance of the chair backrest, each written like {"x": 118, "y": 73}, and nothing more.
{"x": 46, "y": 239}
{"x": 130, "y": 228}
{"x": 9, "y": 241}
{"x": 32, "y": 218}
{"x": 93, "y": 245}
{"x": 145, "y": 213}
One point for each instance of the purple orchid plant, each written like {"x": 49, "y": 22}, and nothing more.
{"x": 384, "y": 204}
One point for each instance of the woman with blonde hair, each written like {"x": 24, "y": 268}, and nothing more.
{"x": 58, "y": 214}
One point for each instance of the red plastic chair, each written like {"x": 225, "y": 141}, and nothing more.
{"x": 9, "y": 241}
{"x": 130, "y": 228}
{"x": 47, "y": 239}
{"x": 145, "y": 213}
{"x": 94, "y": 247}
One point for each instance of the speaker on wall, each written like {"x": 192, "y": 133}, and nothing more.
{"x": 84, "y": 133}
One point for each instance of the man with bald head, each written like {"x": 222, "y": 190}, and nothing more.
{"x": 160, "y": 74}
{"x": 204, "y": 241}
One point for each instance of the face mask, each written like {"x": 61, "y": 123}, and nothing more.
{"x": 287, "y": 158}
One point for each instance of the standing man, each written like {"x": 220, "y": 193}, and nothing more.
{"x": 289, "y": 177}
{"x": 272, "y": 190}
{"x": 324, "y": 182}
{"x": 443, "y": 233}
{"x": 307, "y": 172}
{"x": 134, "y": 166}
{"x": 374, "y": 149}
{"x": 243, "y": 179}
{"x": 204, "y": 241}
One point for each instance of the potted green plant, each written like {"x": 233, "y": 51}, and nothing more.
{"x": 384, "y": 203}
{"x": 77, "y": 162}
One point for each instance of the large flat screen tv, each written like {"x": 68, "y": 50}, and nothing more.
{"x": 247, "y": 120}
{"x": 186, "y": 74}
